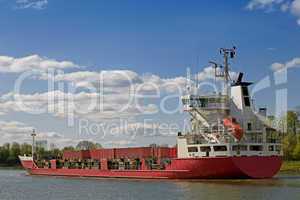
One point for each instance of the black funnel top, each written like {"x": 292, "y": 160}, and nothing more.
{"x": 239, "y": 81}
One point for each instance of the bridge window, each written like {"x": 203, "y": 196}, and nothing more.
{"x": 278, "y": 148}
{"x": 220, "y": 148}
{"x": 247, "y": 101}
{"x": 245, "y": 91}
{"x": 203, "y": 102}
{"x": 256, "y": 148}
{"x": 239, "y": 148}
{"x": 205, "y": 149}
{"x": 192, "y": 149}
{"x": 249, "y": 126}
{"x": 271, "y": 148}
{"x": 186, "y": 101}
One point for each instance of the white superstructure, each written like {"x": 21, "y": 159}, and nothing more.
{"x": 226, "y": 124}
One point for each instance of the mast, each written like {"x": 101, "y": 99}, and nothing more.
{"x": 226, "y": 53}
{"x": 33, "y": 134}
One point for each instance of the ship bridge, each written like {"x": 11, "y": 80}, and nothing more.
{"x": 205, "y": 109}
{"x": 208, "y": 102}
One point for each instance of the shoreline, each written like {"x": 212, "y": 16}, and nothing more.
{"x": 18, "y": 167}
{"x": 290, "y": 166}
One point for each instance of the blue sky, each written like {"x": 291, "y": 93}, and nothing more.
{"x": 149, "y": 37}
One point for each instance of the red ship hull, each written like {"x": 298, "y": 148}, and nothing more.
{"x": 196, "y": 168}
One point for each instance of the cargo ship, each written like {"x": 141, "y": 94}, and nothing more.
{"x": 228, "y": 138}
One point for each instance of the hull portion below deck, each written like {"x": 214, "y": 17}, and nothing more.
{"x": 190, "y": 168}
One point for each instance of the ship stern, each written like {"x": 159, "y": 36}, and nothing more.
{"x": 27, "y": 162}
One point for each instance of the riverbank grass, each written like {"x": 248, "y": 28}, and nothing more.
{"x": 290, "y": 166}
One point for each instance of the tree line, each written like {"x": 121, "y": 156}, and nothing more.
{"x": 9, "y": 152}
{"x": 290, "y": 128}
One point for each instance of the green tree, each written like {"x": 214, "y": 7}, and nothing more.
{"x": 296, "y": 152}
{"x": 26, "y": 149}
{"x": 6, "y": 146}
{"x": 15, "y": 151}
{"x": 41, "y": 153}
{"x": 297, "y": 110}
{"x": 56, "y": 153}
{"x": 87, "y": 145}
{"x": 292, "y": 122}
{"x": 288, "y": 144}
{"x": 4, "y": 154}
{"x": 69, "y": 148}
{"x": 9, "y": 153}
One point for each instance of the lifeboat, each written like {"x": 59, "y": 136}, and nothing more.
{"x": 237, "y": 131}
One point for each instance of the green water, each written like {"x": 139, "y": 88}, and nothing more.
{"x": 15, "y": 184}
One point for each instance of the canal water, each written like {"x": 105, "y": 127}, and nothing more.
{"x": 16, "y": 185}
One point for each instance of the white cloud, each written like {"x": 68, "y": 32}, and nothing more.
{"x": 124, "y": 94}
{"x": 295, "y": 62}
{"x": 125, "y": 83}
{"x": 209, "y": 73}
{"x": 285, "y": 7}
{"x": 295, "y": 9}
{"x": 293, "y": 6}
{"x": 110, "y": 78}
{"x": 34, "y": 4}
{"x": 14, "y": 127}
{"x": 117, "y": 80}
{"x": 20, "y": 132}
{"x": 262, "y": 4}
{"x": 82, "y": 104}
{"x": 33, "y": 62}
{"x": 118, "y": 143}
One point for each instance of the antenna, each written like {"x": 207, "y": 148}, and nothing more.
{"x": 188, "y": 76}
{"x": 216, "y": 66}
